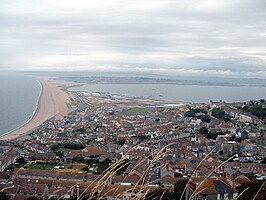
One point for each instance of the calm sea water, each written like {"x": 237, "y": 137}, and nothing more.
{"x": 19, "y": 95}
{"x": 18, "y": 98}
{"x": 180, "y": 93}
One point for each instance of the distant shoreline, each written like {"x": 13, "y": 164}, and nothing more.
{"x": 52, "y": 102}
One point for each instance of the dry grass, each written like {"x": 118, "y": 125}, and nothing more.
{"x": 110, "y": 172}
{"x": 208, "y": 176}
{"x": 97, "y": 188}
{"x": 259, "y": 191}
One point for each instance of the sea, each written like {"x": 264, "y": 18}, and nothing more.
{"x": 19, "y": 95}
{"x": 180, "y": 93}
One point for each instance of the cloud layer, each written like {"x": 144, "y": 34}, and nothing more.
{"x": 190, "y": 37}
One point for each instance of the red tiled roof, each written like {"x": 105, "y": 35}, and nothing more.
{"x": 214, "y": 186}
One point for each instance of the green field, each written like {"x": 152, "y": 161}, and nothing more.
{"x": 42, "y": 165}
{"x": 63, "y": 149}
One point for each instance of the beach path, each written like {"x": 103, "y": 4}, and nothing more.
{"x": 52, "y": 103}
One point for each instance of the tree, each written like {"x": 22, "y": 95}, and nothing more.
{"x": 214, "y": 135}
{"x": 232, "y": 138}
{"x": 257, "y": 108}
{"x": 227, "y": 119}
{"x": 122, "y": 167}
{"x": 238, "y": 139}
{"x": 204, "y": 130}
{"x": 218, "y": 113}
{"x": 102, "y": 166}
{"x": 54, "y": 147}
{"x": 79, "y": 159}
{"x": 262, "y": 101}
{"x": 204, "y": 118}
{"x": 21, "y": 161}
{"x": 179, "y": 188}
{"x": 263, "y": 160}
{"x": 4, "y": 196}
{"x": 121, "y": 142}
{"x": 75, "y": 146}
{"x": 85, "y": 169}
{"x": 253, "y": 188}
{"x": 190, "y": 113}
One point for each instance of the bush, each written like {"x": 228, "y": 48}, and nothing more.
{"x": 253, "y": 188}
{"x": 204, "y": 131}
{"x": 21, "y": 161}
{"x": 54, "y": 147}
{"x": 220, "y": 114}
{"x": 122, "y": 167}
{"x": 192, "y": 112}
{"x": 4, "y": 196}
{"x": 75, "y": 146}
{"x": 204, "y": 118}
{"x": 214, "y": 135}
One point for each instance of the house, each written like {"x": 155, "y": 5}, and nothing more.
{"x": 95, "y": 178}
{"x": 229, "y": 148}
{"x": 8, "y": 155}
{"x": 169, "y": 182}
{"x": 210, "y": 189}
{"x": 249, "y": 149}
{"x": 22, "y": 181}
{"x": 70, "y": 176}
{"x": 59, "y": 184}
{"x": 10, "y": 189}
{"x": 234, "y": 177}
{"x": 167, "y": 171}
{"x": 63, "y": 193}
{"x": 25, "y": 191}
{"x": 35, "y": 174}
{"x": 125, "y": 180}
{"x": 88, "y": 152}
{"x": 5, "y": 177}
{"x": 38, "y": 190}
{"x": 243, "y": 134}
{"x": 50, "y": 156}
{"x": 92, "y": 151}
{"x": 136, "y": 169}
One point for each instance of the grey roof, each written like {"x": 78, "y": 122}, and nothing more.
{"x": 222, "y": 188}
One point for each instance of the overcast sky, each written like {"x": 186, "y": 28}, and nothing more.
{"x": 188, "y": 37}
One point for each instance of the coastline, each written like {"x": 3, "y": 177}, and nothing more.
{"x": 35, "y": 110}
{"x": 33, "y": 113}
{"x": 52, "y": 102}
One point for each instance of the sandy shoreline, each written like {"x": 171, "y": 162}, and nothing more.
{"x": 51, "y": 103}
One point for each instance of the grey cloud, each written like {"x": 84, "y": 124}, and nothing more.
{"x": 214, "y": 36}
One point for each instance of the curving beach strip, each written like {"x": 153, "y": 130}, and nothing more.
{"x": 52, "y": 103}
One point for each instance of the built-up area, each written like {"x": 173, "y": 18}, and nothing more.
{"x": 117, "y": 147}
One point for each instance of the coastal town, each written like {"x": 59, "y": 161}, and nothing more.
{"x": 133, "y": 100}
{"x": 117, "y": 147}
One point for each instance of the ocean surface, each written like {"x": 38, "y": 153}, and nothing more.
{"x": 18, "y": 99}
{"x": 179, "y": 93}
{"x": 19, "y": 95}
